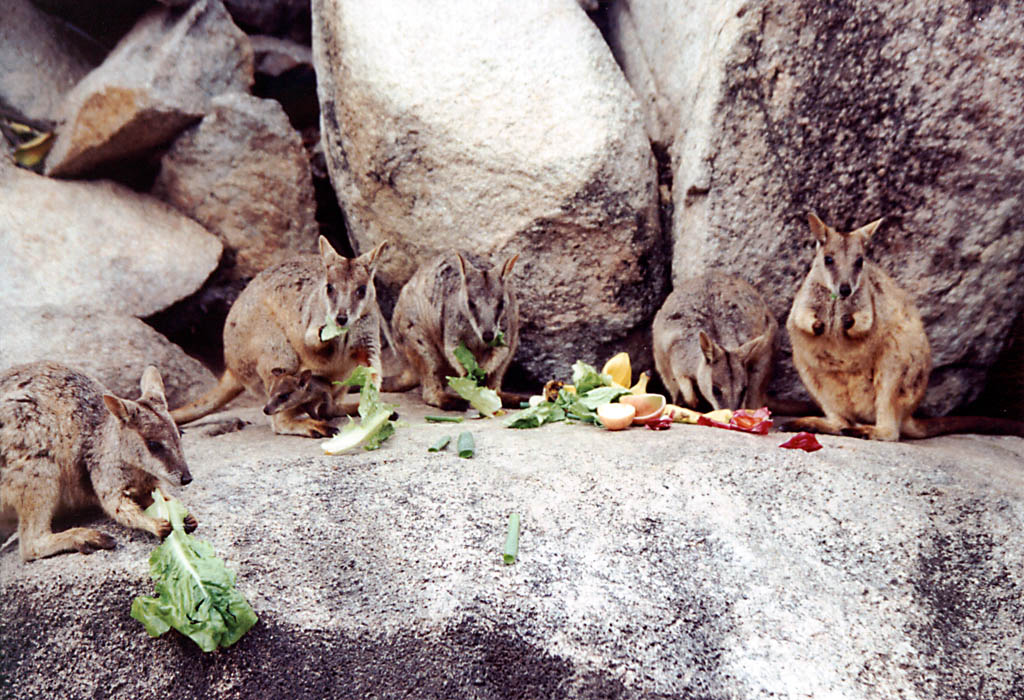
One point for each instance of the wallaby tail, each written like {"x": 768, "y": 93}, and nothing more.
{"x": 227, "y": 388}
{"x": 930, "y": 427}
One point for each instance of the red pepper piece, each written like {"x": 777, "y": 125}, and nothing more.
{"x": 802, "y": 441}
{"x": 660, "y": 423}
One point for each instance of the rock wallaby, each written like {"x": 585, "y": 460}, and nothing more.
{"x": 308, "y": 392}
{"x": 715, "y": 334}
{"x": 451, "y": 300}
{"x": 275, "y": 325}
{"x": 860, "y": 347}
{"x": 66, "y": 444}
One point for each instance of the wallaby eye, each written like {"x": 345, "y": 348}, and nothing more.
{"x": 858, "y": 263}
{"x": 829, "y": 260}
{"x": 361, "y": 291}
{"x": 472, "y": 306}
{"x": 330, "y": 289}
{"x": 717, "y": 391}
{"x": 501, "y": 305}
{"x": 154, "y": 446}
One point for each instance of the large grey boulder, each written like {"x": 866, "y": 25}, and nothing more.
{"x": 468, "y": 125}
{"x": 693, "y": 563}
{"x": 113, "y": 348}
{"x": 858, "y": 110}
{"x": 243, "y": 174}
{"x": 157, "y": 80}
{"x": 40, "y": 60}
{"x": 96, "y": 245}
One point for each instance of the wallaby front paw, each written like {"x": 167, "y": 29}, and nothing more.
{"x": 320, "y": 429}
{"x": 163, "y": 528}
{"x": 818, "y": 327}
{"x": 191, "y": 523}
{"x": 847, "y": 321}
{"x": 94, "y": 540}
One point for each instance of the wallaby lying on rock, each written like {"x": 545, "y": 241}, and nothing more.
{"x": 307, "y": 392}
{"x": 861, "y": 349}
{"x": 715, "y": 333}
{"x": 275, "y": 326}
{"x": 448, "y": 301}
{"x": 66, "y": 444}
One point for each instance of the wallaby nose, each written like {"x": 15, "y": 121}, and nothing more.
{"x": 266, "y": 410}
{"x": 844, "y": 290}
{"x": 341, "y": 319}
{"x": 186, "y": 478}
{"x": 488, "y": 336}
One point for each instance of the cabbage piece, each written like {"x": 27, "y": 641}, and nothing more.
{"x": 374, "y": 425}
{"x": 196, "y": 593}
{"x": 586, "y": 377}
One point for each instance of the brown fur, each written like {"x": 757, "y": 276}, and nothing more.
{"x": 860, "y": 347}
{"x": 307, "y": 392}
{"x": 66, "y": 444}
{"x": 275, "y": 325}
{"x": 715, "y": 334}
{"x": 449, "y": 301}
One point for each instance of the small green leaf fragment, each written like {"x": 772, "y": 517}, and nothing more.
{"x": 469, "y": 363}
{"x": 440, "y": 444}
{"x": 331, "y": 330}
{"x": 512, "y": 540}
{"x": 498, "y": 341}
{"x": 466, "y": 445}
{"x": 444, "y": 419}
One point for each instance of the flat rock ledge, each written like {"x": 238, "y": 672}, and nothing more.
{"x": 693, "y": 563}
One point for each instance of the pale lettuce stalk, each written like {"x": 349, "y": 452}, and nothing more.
{"x": 196, "y": 593}
{"x": 374, "y": 425}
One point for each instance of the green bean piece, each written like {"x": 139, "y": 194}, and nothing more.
{"x": 440, "y": 444}
{"x": 444, "y": 419}
{"x": 512, "y": 539}
{"x": 467, "y": 447}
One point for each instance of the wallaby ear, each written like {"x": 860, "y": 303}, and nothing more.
{"x": 707, "y": 346}
{"x": 277, "y": 371}
{"x": 752, "y": 348}
{"x": 371, "y": 258}
{"x": 818, "y": 227}
{"x": 121, "y": 409}
{"x": 306, "y": 375}
{"x": 327, "y": 252}
{"x": 868, "y": 230}
{"x": 506, "y": 269}
{"x": 152, "y": 386}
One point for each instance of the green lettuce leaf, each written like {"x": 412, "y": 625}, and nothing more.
{"x": 374, "y": 425}
{"x": 536, "y": 416}
{"x": 585, "y": 377}
{"x": 481, "y": 398}
{"x": 331, "y": 330}
{"x": 469, "y": 363}
{"x": 601, "y": 395}
{"x": 498, "y": 341}
{"x": 195, "y": 592}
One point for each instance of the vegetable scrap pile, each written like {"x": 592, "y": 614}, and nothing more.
{"x": 374, "y": 425}
{"x": 196, "y": 593}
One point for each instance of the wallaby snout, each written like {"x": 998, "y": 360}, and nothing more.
{"x": 844, "y": 290}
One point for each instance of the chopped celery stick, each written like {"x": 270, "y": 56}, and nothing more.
{"x": 512, "y": 539}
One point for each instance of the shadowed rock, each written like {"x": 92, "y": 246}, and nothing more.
{"x": 853, "y": 110}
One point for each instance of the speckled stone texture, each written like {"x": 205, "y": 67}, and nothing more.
{"x": 854, "y": 110}
{"x": 693, "y": 563}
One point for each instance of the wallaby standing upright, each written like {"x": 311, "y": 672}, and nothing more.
{"x": 307, "y": 392}
{"x": 276, "y": 324}
{"x": 448, "y": 301}
{"x": 860, "y": 347}
{"x": 66, "y": 444}
{"x": 715, "y": 333}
